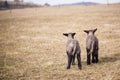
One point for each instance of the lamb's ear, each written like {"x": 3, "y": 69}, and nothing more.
{"x": 73, "y": 34}
{"x": 65, "y": 34}
{"x": 95, "y": 30}
{"x": 87, "y": 31}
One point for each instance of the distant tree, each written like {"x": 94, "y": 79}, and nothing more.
{"x": 6, "y": 4}
{"x": 22, "y": 0}
{"x": 1, "y": 3}
{"x": 46, "y": 4}
{"x": 16, "y": 1}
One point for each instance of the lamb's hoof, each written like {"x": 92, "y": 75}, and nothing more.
{"x": 88, "y": 63}
{"x": 68, "y": 67}
{"x": 80, "y": 68}
{"x": 93, "y": 61}
{"x": 96, "y": 61}
{"x": 73, "y": 63}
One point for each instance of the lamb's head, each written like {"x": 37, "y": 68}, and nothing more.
{"x": 69, "y": 35}
{"x": 90, "y": 32}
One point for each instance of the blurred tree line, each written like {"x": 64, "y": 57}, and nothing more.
{"x": 18, "y": 4}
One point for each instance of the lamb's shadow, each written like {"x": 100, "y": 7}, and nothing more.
{"x": 111, "y": 58}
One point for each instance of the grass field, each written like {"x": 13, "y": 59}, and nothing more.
{"x": 32, "y": 46}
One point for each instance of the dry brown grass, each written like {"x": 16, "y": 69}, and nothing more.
{"x": 32, "y": 46}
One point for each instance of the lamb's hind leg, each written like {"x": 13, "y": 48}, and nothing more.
{"x": 79, "y": 61}
{"x": 73, "y": 60}
{"x": 69, "y": 61}
{"x": 93, "y": 57}
{"x": 88, "y": 57}
{"x": 96, "y": 56}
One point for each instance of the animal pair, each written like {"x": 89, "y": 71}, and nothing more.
{"x": 73, "y": 48}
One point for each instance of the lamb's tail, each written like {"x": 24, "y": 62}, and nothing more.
{"x": 92, "y": 47}
{"x": 74, "y": 50}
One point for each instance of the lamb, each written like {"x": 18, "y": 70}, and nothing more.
{"x": 72, "y": 48}
{"x": 92, "y": 46}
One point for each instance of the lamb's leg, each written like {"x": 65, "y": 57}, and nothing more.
{"x": 73, "y": 60}
{"x": 88, "y": 57}
{"x": 93, "y": 57}
{"x": 96, "y": 56}
{"x": 69, "y": 61}
{"x": 79, "y": 61}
